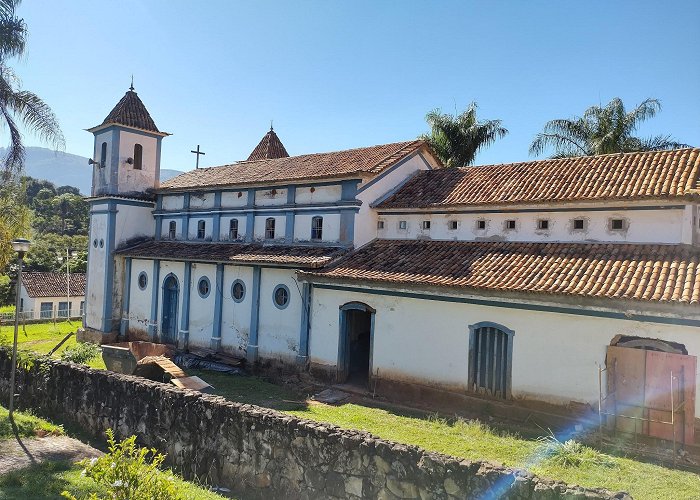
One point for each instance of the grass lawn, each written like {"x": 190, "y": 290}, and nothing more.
{"x": 27, "y": 425}
{"x": 471, "y": 440}
{"x": 42, "y": 337}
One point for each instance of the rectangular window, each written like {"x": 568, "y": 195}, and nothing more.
{"x": 317, "y": 228}
{"x": 46, "y": 310}
{"x": 82, "y": 307}
{"x": 380, "y": 224}
{"x": 617, "y": 224}
{"x": 233, "y": 229}
{"x": 138, "y": 156}
{"x": 63, "y": 309}
{"x": 426, "y": 225}
{"x": 510, "y": 224}
{"x": 21, "y": 305}
{"x": 481, "y": 224}
{"x": 543, "y": 224}
{"x": 452, "y": 225}
{"x": 201, "y": 229}
{"x": 403, "y": 225}
{"x": 579, "y": 224}
{"x": 172, "y": 230}
{"x": 270, "y": 228}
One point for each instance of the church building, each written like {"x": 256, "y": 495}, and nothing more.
{"x": 379, "y": 267}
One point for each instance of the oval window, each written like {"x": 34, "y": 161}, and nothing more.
{"x": 203, "y": 287}
{"x": 281, "y": 296}
{"x": 94, "y": 243}
{"x": 238, "y": 291}
{"x": 102, "y": 243}
{"x": 143, "y": 280}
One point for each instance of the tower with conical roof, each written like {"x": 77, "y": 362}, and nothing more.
{"x": 126, "y": 167}
{"x": 269, "y": 146}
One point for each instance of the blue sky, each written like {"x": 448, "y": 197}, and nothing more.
{"x": 335, "y": 75}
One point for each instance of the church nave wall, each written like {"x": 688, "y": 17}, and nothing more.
{"x": 236, "y": 313}
{"x": 202, "y": 305}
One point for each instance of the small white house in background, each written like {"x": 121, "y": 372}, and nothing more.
{"x": 48, "y": 295}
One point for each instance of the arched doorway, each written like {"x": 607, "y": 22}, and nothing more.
{"x": 171, "y": 289}
{"x": 355, "y": 343}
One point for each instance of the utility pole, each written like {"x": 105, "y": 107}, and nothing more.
{"x": 68, "y": 283}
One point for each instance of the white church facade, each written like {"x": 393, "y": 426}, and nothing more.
{"x": 375, "y": 265}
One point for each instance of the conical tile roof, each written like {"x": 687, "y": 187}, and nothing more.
{"x": 130, "y": 111}
{"x": 269, "y": 147}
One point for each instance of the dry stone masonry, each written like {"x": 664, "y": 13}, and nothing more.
{"x": 261, "y": 453}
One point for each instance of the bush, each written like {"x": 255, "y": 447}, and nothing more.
{"x": 571, "y": 453}
{"x": 129, "y": 472}
{"x": 82, "y": 353}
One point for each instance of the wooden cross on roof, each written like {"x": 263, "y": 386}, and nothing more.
{"x": 198, "y": 153}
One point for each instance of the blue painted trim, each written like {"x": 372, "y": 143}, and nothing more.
{"x": 129, "y": 129}
{"x": 233, "y": 295}
{"x": 234, "y": 189}
{"x": 388, "y": 171}
{"x": 218, "y": 303}
{"x": 357, "y": 306}
{"x": 305, "y": 322}
{"x": 159, "y": 220}
{"x": 348, "y": 190}
{"x": 216, "y": 225}
{"x": 163, "y": 309}
{"x": 343, "y": 363}
{"x": 250, "y": 198}
{"x": 532, "y": 210}
{"x": 99, "y": 212}
{"x": 289, "y": 222}
{"x": 347, "y": 228}
{"x": 291, "y": 195}
{"x": 159, "y": 142}
{"x": 126, "y": 297}
{"x": 107, "y": 311}
{"x": 104, "y": 200}
{"x": 252, "y": 350}
{"x": 155, "y": 290}
{"x": 274, "y": 293}
{"x": 138, "y": 280}
{"x": 249, "y": 227}
{"x": 113, "y": 186}
{"x": 199, "y": 283}
{"x": 186, "y": 217}
{"x": 517, "y": 305}
{"x": 272, "y": 209}
{"x": 184, "y": 336}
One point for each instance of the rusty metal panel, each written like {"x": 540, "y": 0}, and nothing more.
{"x": 626, "y": 383}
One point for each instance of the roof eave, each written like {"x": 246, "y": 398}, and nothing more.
{"x": 103, "y": 126}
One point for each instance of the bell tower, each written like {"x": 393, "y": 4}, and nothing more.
{"x": 125, "y": 171}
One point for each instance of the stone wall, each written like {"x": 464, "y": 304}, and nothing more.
{"x": 261, "y": 453}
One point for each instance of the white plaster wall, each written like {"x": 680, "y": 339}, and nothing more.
{"x": 130, "y": 179}
{"x": 278, "y": 331}
{"x": 225, "y": 224}
{"x": 178, "y": 269}
{"x": 96, "y": 269}
{"x": 555, "y": 356}
{"x": 34, "y": 304}
{"x": 192, "y": 229}
{"x": 331, "y": 227}
{"x": 165, "y": 228}
{"x": 140, "y": 300}
{"x": 173, "y": 202}
{"x": 202, "y": 309}
{"x": 320, "y": 194}
{"x": 235, "y": 316}
{"x": 259, "y": 228}
{"x": 132, "y": 222}
{"x": 201, "y": 200}
{"x": 366, "y": 219}
{"x": 643, "y": 226}
{"x": 234, "y": 198}
{"x": 266, "y": 197}
{"x": 100, "y": 176}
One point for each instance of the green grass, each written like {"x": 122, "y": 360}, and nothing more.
{"x": 472, "y": 440}
{"x": 49, "y": 479}
{"x": 7, "y": 309}
{"x": 42, "y": 337}
{"x": 27, "y": 425}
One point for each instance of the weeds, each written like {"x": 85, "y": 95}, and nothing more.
{"x": 571, "y": 453}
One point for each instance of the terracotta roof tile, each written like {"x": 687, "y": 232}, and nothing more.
{"x": 130, "y": 111}
{"x": 653, "y": 174}
{"x": 659, "y": 273}
{"x": 232, "y": 253}
{"x": 370, "y": 160}
{"x": 53, "y": 284}
{"x": 269, "y": 147}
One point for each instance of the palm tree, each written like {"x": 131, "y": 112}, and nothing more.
{"x": 602, "y": 130}
{"x": 17, "y": 106}
{"x": 456, "y": 139}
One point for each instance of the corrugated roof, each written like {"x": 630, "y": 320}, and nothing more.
{"x": 269, "y": 147}
{"x": 369, "y": 160}
{"x": 653, "y": 174}
{"x": 53, "y": 284}
{"x": 232, "y": 253}
{"x": 656, "y": 273}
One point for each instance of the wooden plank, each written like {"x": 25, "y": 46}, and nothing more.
{"x": 626, "y": 375}
{"x": 193, "y": 382}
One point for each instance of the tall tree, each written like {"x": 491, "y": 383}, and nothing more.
{"x": 602, "y": 130}
{"x": 456, "y": 139}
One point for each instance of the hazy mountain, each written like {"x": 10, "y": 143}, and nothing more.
{"x": 66, "y": 169}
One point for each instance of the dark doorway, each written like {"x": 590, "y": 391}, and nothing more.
{"x": 356, "y": 344}
{"x": 170, "y": 296}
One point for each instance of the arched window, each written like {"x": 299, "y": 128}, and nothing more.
{"x": 490, "y": 359}
{"x": 201, "y": 229}
{"x": 317, "y": 228}
{"x": 270, "y": 228}
{"x": 172, "y": 230}
{"x": 138, "y": 156}
{"x": 103, "y": 155}
{"x": 233, "y": 229}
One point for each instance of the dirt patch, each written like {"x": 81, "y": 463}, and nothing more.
{"x": 18, "y": 454}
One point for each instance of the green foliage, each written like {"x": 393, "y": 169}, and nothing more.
{"x": 48, "y": 253}
{"x": 457, "y": 139}
{"x": 571, "y": 453}
{"x": 129, "y": 472}
{"x": 602, "y": 130}
{"x": 7, "y": 293}
{"x": 81, "y": 353}
{"x": 27, "y": 425}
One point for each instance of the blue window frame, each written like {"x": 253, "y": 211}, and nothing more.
{"x": 280, "y": 296}
{"x": 203, "y": 287}
{"x": 63, "y": 309}
{"x": 238, "y": 291}
{"x": 142, "y": 280}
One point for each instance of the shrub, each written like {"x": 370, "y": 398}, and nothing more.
{"x": 571, "y": 453}
{"x": 82, "y": 353}
{"x": 129, "y": 472}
